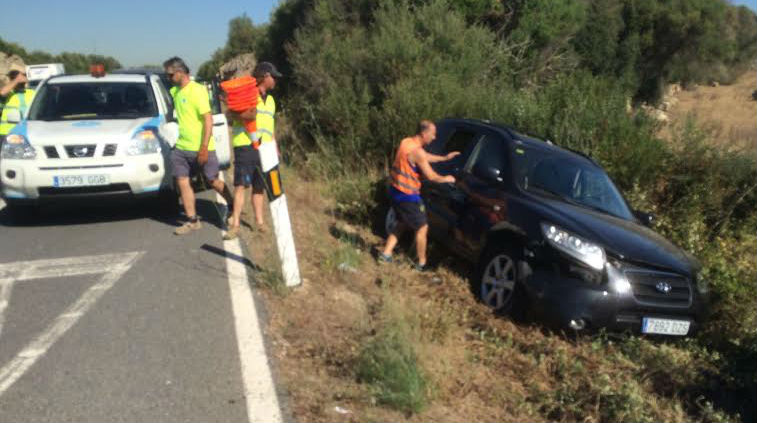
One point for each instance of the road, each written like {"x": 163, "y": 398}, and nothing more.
{"x": 105, "y": 315}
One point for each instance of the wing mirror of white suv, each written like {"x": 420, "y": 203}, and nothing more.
{"x": 13, "y": 116}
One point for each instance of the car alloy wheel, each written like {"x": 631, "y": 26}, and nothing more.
{"x": 498, "y": 282}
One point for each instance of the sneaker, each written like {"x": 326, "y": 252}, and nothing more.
{"x": 383, "y": 258}
{"x": 188, "y": 227}
{"x": 421, "y": 268}
{"x": 232, "y": 233}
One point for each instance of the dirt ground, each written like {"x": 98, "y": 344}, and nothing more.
{"x": 480, "y": 367}
{"x": 728, "y": 109}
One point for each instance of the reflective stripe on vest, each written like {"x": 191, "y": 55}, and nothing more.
{"x": 264, "y": 118}
{"x": 405, "y": 176}
{"x": 15, "y": 102}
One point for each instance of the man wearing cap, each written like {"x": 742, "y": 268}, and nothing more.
{"x": 195, "y": 148}
{"x": 14, "y": 96}
{"x": 247, "y": 167}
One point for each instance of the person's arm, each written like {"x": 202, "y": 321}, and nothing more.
{"x": 7, "y": 88}
{"x": 433, "y": 158}
{"x": 420, "y": 157}
{"x": 207, "y": 131}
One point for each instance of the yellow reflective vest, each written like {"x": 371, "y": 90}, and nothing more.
{"x": 264, "y": 122}
{"x": 16, "y": 101}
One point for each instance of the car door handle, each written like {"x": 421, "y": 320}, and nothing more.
{"x": 218, "y": 124}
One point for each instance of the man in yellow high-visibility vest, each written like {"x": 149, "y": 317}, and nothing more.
{"x": 246, "y": 156}
{"x": 14, "y": 96}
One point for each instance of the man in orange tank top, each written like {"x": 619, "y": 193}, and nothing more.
{"x": 411, "y": 162}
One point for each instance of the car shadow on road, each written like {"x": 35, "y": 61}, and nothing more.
{"x": 103, "y": 211}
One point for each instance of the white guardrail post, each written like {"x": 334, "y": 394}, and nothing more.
{"x": 282, "y": 226}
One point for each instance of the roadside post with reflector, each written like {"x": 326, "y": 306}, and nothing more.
{"x": 282, "y": 226}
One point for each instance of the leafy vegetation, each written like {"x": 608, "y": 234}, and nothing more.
{"x": 73, "y": 62}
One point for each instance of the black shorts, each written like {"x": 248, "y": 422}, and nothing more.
{"x": 247, "y": 170}
{"x": 411, "y": 214}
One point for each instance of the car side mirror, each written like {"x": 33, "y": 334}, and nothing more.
{"x": 490, "y": 174}
{"x": 646, "y": 219}
{"x": 13, "y": 116}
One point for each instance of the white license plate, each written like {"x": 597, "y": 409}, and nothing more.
{"x": 80, "y": 180}
{"x": 665, "y": 326}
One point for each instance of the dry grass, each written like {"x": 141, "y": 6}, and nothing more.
{"x": 728, "y": 109}
{"x": 477, "y": 366}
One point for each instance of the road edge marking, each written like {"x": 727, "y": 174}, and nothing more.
{"x": 259, "y": 389}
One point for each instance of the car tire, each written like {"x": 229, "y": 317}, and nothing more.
{"x": 496, "y": 281}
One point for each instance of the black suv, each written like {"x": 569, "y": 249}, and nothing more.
{"x": 549, "y": 229}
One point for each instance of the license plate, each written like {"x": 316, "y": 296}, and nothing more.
{"x": 665, "y": 326}
{"x": 80, "y": 180}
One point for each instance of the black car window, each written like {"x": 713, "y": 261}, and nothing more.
{"x": 461, "y": 140}
{"x": 492, "y": 155}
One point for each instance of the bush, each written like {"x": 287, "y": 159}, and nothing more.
{"x": 389, "y": 363}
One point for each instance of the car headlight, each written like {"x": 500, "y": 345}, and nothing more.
{"x": 17, "y": 147}
{"x": 143, "y": 142}
{"x": 584, "y": 251}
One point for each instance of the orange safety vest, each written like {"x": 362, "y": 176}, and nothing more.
{"x": 405, "y": 176}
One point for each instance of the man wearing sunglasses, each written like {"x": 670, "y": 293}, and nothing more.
{"x": 195, "y": 148}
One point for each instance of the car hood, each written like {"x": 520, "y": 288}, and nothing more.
{"x": 627, "y": 240}
{"x": 82, "y": 131}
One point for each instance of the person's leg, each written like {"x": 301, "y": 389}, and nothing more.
{"x": 236, "y": 214}
{"x": 258, "y": 200}
{"x": 211, "y": 170}
{"x": 420, "y": 244}
{"x": 187, "y": 196}
{"x": 182, "y": 163}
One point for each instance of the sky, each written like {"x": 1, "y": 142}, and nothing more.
{"x": 136, "y": 32}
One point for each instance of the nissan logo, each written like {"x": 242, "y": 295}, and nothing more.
{"x": 663, "y": 287}
{"x": 81, "y": 151}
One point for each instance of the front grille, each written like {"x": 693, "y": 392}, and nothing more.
{"x": 51, "y": 152}
{"x": 110, "y": 149}
{"x": 80, "y": 151}
{"x": 96, "y": 189}
{"x": 644, "y": 287}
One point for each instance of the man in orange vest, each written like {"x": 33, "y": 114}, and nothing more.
{"x": 412, "y": 161}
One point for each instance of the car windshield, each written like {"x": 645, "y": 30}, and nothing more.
{"x": 100, "y": 100}
{"x": 572, "y": 181}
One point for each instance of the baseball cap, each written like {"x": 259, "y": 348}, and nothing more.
{"x": 266, "y": 67}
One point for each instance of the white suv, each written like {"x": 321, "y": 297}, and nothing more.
{"x": 87, "y": 136}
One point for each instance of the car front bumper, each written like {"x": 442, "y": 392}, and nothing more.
{"x": 568, "y": 301}
{"x": 32, "y": 181}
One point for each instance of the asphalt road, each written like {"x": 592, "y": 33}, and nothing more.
{"x": 111, "y": 317}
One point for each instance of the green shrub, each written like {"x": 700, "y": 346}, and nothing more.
{"x": 390, "y": 364}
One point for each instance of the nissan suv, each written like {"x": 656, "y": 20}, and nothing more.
{"x": 550, "y": 231}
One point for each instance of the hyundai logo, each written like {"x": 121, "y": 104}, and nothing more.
{"x": 81, "y": 151}
{"x": 663, "y": 287}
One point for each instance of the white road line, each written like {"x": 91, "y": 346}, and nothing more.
{"x": 260, "y": 392}
{"x": 6, "y": 286}
{"x": 113, "y": 268}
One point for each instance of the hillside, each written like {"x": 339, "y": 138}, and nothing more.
{"x": 729, "y": 110}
